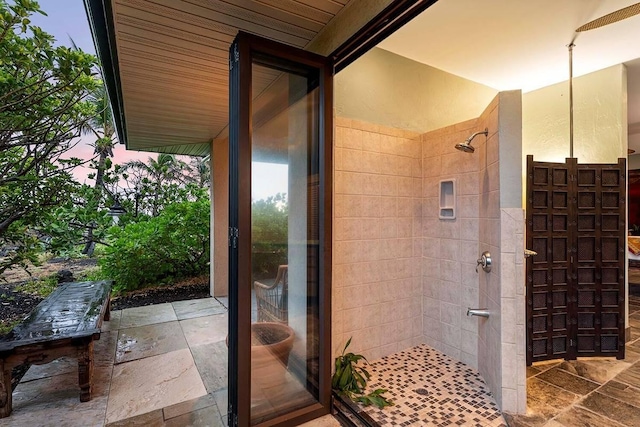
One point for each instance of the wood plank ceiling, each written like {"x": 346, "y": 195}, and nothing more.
{"x": 173, "y": 60}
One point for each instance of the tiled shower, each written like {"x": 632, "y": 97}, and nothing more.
{"x": 402, "y": 276}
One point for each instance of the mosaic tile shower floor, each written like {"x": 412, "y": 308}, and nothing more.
{"x": 430, "y": 389}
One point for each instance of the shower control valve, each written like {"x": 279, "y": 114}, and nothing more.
{"x": 484, "y": 261}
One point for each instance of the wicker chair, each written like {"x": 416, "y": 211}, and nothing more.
{"x": 272, "y": 298}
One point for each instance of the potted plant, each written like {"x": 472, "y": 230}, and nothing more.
{"x": 350, "y": 380}
{"x": 271, "y": 344}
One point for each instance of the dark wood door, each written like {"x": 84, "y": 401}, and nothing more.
{"x": 575, "y": 283}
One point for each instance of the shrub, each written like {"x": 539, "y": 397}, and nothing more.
{"x": 173, "y": 245}
{"x": 269, "y": 234}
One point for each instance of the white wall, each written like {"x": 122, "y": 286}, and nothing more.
{"x": 387, "y": 89}
{"x": 600, "y": 119}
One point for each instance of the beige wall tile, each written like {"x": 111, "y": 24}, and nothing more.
{"x": 408, "y": 276}
{"x": 352, "y": 138}
{"x": 371, "y": 141}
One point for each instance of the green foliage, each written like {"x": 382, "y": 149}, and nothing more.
{"x": 66, "y": 226}
{"x": 7, "y": 326}
{"x": 92, "y": 275}
{"x": 351, "y": 380}
{"x": 39, "y": 287}
{"x": 43, "y": 106}
{"x": 155, "y": 184}
{"x": 173, "y": 245}
{"x": 269, "y": 235}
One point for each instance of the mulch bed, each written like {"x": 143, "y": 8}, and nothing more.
{"x": 158, "y": 295}
{"x": 16, "y": 305}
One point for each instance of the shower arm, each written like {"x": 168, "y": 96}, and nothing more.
{"x": 484, "y": 132}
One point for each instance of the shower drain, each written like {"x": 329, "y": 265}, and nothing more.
{"x": 422, "y": 391}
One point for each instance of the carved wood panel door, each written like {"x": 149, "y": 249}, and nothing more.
{"x": 575, "y": 283}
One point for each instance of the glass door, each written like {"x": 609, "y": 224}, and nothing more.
{"x": 279, "y": 233}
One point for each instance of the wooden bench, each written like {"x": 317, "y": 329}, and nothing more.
{"x": 65, "y": 324}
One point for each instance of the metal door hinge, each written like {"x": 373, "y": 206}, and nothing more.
{"x": 233, "y": 237}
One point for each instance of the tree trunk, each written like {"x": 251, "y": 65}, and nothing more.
{"x": 90, "y": 245}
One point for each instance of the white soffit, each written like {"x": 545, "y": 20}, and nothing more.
{"x": 173, "y": 60}
{"x": 517, "y": 44}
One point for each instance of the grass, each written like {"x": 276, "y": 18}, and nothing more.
{"x": 7, "y": 326}
{"x": 39, "y": 287}
{"x": 91, "y": 274}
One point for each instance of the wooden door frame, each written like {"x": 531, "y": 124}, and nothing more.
{"x": 242, "y": 52}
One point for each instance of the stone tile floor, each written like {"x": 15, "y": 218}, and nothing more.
{"x": 161, "y": 365}
{"x": 166, "y": 366}
{"x": 594, "y": 392}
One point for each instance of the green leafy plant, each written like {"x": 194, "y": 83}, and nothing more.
{"x": 173, "y": 245}
{"x": 44, "y": 103}
{"x": 350, "y": 380}
{"x": 7, "y": 325}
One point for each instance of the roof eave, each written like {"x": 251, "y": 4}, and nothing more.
{"x": 100, "y": 17}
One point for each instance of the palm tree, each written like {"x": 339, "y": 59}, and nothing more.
{"x": 155, "y": 174}
{"x": 201, "y": 171}
{"x": 101, "y": 126}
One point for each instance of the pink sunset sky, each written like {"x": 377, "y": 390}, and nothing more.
{"x": 67, "y": 20}
{"x": 84, "y": 150}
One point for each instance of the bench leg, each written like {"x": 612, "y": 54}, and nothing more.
{"x": 5, "y": 390}
{"x": 85, "y": 371}
{"x": 107, "y": 312}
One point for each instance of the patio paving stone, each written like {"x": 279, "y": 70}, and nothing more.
{"x": 62, "y": 366}
{"x": 150, "y": 340}
{"x": 50, "y": 398}
{"x": 147, "y": 315}
{"x": 114, "y": 321}
{"x": 205, "y": 330}
{"x": 222, "y": 400}
{"x": 211, "y": 361}
{"x": 205, "y": 417}
{"x": 189, "y": 406}
{"x": 150, "y": 419}
{"x": 151, "y": 383}
{"x": 224, "y": 301}
{"x": 197, "y": 308}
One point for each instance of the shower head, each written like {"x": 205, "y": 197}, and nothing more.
{"x": 466, "y": 145}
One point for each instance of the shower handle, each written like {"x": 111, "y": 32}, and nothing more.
{"x": 484, "y": 261}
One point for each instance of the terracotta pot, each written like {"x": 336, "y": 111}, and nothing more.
{"x": 271, "y": 344}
